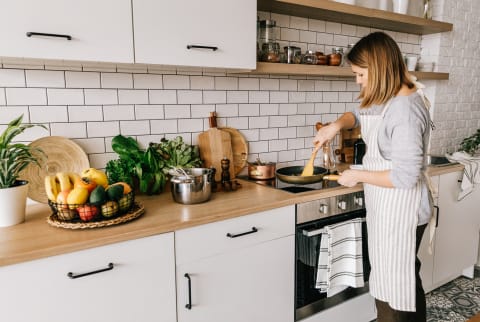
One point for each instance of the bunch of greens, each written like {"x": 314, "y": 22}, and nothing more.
{"x": 470, "y": 144}
{"x": 144, "y": 165}
{"x": 178, "y": 154}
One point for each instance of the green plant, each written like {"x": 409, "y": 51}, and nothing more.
{"x": 470, "y": 144}
{"x": 14, "y": 157}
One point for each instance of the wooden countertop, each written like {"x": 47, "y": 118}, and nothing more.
{"x": 36, "y": 239}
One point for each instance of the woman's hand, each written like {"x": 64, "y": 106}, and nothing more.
{"x": 326, "y": 133}
{"x": 349, "y": 178}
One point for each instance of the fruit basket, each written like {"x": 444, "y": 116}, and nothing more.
{"x": 92, "y": 215}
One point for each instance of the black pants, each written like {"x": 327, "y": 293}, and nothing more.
{"x": 386, "y": 314}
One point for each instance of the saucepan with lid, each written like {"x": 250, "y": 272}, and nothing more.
{"x": 191, "y": 186}
{"x": 260, "y": 170}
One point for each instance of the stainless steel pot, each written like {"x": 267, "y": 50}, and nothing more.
{"x": 194, "y": 187}
{"x": 262, "y": 171}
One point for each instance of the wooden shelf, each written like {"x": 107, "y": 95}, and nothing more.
{"x": 320, "y": 70}
{"x": 354, "y": 15}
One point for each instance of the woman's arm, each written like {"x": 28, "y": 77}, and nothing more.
{"x": 328, "y": 132}
{"x": 350, "y": 178}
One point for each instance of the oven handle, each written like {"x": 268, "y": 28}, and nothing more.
{"x": 316, "y": 232}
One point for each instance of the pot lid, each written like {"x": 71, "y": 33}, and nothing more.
{"x": 63, "y": 155}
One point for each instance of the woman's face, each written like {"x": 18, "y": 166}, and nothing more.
{"x": 361, "y": 75}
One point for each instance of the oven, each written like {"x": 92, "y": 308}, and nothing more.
{"x": 312, "y": 217}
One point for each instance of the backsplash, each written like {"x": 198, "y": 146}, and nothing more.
{"x": 92, "y": 102}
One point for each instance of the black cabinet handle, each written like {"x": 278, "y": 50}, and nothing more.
{"x": 438, "y": 214}
{"x": 108, "y": 268}
{"x": 31, "y": 33}
{"x": 202, "y": 47}
{"x": 189, "y": 304}
{"x": 254, "y": 230}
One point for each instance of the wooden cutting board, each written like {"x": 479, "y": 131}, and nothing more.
{"x": 239, "y": 149}
{"x": 214, "y": 145}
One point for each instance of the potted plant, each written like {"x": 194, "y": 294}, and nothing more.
{"x": 470, "y": 144}
{"x": 14, "y": 157}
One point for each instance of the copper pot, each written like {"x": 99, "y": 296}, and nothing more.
{"x": 262, "y": 171}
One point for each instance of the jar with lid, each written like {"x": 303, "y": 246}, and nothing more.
{"x": 345, "y": 61}
{"x": 336, "y": 57}
{"x": 270, "y": 52}
{"x": 309, "y": 58}
{"x": 290, "y": 53}
{"x": 267, "y": 32}
{"x": 321, "y": 58}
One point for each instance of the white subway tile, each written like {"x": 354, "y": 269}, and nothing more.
{"x": 189, "y": 97}
{"x": 286, "y": 156}
{"x": 177, "y": 111}
{"x": 12, "y": 78}
{"x": 330, "y": 97}
{"x": 227, "y": 110}
{"x": 99, "y": 161}
{"x": 338, "y": 107}
{"x": 129, "y": 128}
{"x": 288, "y": 85}
{"x": 362, "y": 31}
{"x": 82, "y": 79}
{"x": 237, "y": 97}
{"x": 202, "y": 82}
{"x": 324, "y": 38}
{"x": 258, "y": 146}
{"x": 245, "y": 84}
{"x": 316, "y": 25}
{"x": 101, "y": 96}
{"x": 345, "y": 96}
{"x": 268, "y": 109}
{"x": 163, "y": 126}
{"x": 147, "y": 81}
{"x": 277, "y": 145}
{"x": 288, "y": 34}
{"x": 69, "y": 130}
{"x": 3, "y": 99}
{"x": 305, "y": 131}
{"x": 162, "y": 96}
{"x": 190, "y": 125}
{"x": 34, "y": 133}
{"x": 116, "y": 80}
{"x": 94, "y": 145}
{"x": 314, "y": 97}
{"x": 238, "y": 122}
{"x": 46, "y": 114}
{"x": 176, "y": 82}
{"x": 306, "y": 108}
{"x": 268, "y": 84}
{"x": 65, "y": 96}
{"x": 295, "y": 143}
{"x": 287, "y": 132}
{"x": 278, "y": 121}
{"x": 278, "y": 97}
{"x": 103, "y": 129}
{"x": 248, "y": 110}
{"x": 296, "y": 120}
{"x": 282, "y": 20}
{"x": 85, "y": 113}
{"x": 258, "y": 97}
{"x": 339, "y": 85}
{"x": 149, "y": 112}
{"x": 9, "y": 113}
{"x": 26, "y": 96}
{"x": 118, "y": 112}
{"x": 321, "y": 108}
{"x": 258, "y": 122}
{"x": 226, "y": 83}
{"x": 200, "y": 111}
{"x": 308, "y": 36}
{"x": 340, "y": 40}
{"x": 251, "y": 135}
{"x": 214, "y": 97}
{"x": 349, "y": 30}
{"x": 299, "y": 23}
{"x": 45, "y": 78}
{"x": 296, "y": 97}
{"x": 306, "y": 85}
{"x": 269, "y": 134}
{"x": 287, "y": 109}
{"x": 133, "y": 96}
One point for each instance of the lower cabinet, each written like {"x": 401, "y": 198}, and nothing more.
{"x": 237, "y": 270}
{"x": 138, "y": 285}
{"x": 457, "y": 234}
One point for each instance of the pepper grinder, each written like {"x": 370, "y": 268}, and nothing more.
{"x": 225, "y": 170}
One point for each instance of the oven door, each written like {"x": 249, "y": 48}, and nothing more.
{"x": 309, "y": 300}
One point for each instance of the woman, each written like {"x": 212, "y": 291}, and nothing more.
{"x": 395, "y": 127}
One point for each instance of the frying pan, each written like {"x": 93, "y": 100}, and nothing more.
{"x": 293, "y": 175}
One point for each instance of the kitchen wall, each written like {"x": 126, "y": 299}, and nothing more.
{"x": 90, "y": 103}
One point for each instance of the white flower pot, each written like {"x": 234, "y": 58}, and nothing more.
{"x": 13, "y": 203}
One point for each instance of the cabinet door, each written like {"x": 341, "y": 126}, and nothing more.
{"x": 457, "y": 232}
{"x": 254, "y": 284}
{"x": 100, "y": 30}
{"x": 140, "y": 287}
{"x": 163, "y": 31}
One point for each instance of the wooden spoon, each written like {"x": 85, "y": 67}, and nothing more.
{"x": 308, "y": 169}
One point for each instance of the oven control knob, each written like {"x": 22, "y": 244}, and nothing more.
{"x": 358, "y": 201}
{"x": 323, "y": 208}
{"x": 342, "y": 204}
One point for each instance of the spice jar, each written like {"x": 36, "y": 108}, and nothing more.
{"x": 290, "y": 53}
{"x": 335, "y": 58}
{"x": 321, "y": 58}
{"x": 309, "y": 58}
{"x": 271, "y": 52}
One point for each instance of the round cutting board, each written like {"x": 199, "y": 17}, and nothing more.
{"x": 239, "y": 149}
{"x": 63, "y": 155}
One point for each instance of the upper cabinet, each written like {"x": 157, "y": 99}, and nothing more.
{"x": 88, "y": 30}
{"x": 354, "y": 15}
{"x": 208, "y": 33}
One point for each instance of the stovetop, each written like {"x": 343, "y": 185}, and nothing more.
{"x": 293, "y": 188}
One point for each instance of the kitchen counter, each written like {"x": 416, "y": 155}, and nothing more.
{"x": 36, "y": 239}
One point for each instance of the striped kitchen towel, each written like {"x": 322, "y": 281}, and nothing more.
{"x": 340, "y": 262}
{"x": 471, "y": 172}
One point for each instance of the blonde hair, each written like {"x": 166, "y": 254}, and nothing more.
{"x": 387, "y": 72}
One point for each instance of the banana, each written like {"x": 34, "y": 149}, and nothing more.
{"x": 66, "y": 180}
{"x": 52, "y": 187}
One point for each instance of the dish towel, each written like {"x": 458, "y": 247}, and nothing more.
{"x": 340, "y": 261}
{"x": 471, "y": 172}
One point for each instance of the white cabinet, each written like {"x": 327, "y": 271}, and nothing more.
{"x": 174, "y": 32}
{"x": 140, "y": 286}
{"x": 237, "y": 270}
{"x": 100, "y": 30}
{"x": 456, "y": 238}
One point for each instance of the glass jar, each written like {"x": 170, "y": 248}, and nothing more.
{"x": 336, "y": 57}
{"x": 270, "y": 52}
{"x": 321, "y": 58}
{"x": 267, "y": 32}
{"x": 290, "y": 53}
{"x": 309, "y": 58}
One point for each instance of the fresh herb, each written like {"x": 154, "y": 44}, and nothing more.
{"x": 120, "y": 170}
{"x": 471, "y": 143}
{"x": 178, "y": 154}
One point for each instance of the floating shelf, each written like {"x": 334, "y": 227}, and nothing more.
{"x": 354, "y": 15}
{"x": 320, "y": 70}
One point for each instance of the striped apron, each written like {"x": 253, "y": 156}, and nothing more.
{"x": 392, "y": 217}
